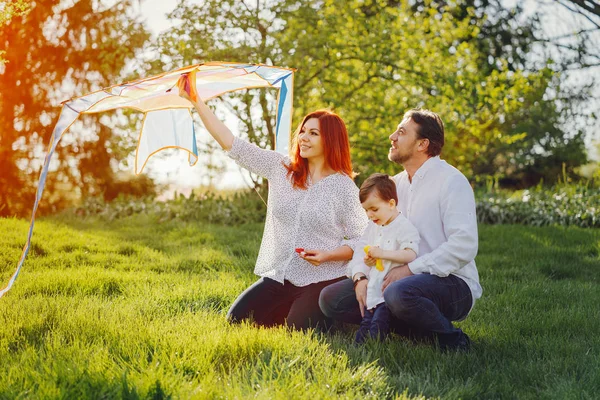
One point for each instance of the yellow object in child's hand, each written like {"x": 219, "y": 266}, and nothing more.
{"x": 378, "y": 263}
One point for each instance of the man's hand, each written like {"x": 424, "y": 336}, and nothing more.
{"x": 315, "y": 257}
{"x": 361, "y": 295}
{"x": 396, "y": 274}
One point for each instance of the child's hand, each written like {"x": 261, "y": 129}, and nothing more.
{"x": 373, "y": 257}
{"x": 375, "y": 252}
{"x": 370, "y": 261}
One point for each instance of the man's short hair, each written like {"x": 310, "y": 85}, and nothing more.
{"x": 431, "y": 127}
{"x": 383, "y": 186}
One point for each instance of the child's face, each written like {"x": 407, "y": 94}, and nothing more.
{"x": 378, "y": 210}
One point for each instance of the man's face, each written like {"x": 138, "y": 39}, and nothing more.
{"x": 404, "y": 142}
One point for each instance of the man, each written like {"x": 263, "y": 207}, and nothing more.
{"x": 442, "y": 284}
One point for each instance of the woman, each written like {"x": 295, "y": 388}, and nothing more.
{"x": 313, "y": 208}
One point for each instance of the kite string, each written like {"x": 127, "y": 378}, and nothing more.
{"x": 258, "y": 193}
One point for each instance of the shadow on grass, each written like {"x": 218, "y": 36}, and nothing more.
{"x": 513, "y": 367}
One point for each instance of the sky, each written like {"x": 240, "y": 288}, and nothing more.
{"x": 172, "y": 168}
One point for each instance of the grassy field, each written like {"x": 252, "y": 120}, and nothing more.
{"x": 135, "y": 309}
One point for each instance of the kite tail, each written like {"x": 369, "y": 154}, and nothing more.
{"x": 38, "y": 196}
{"x": 67, "y": 116}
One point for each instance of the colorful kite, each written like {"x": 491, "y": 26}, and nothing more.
{"x": 167, "y": 117}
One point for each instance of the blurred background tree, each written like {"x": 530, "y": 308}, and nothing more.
{"x": 499, "y": 78}
{"x": 54, "y": 50}
{"x": 507, "y": 114}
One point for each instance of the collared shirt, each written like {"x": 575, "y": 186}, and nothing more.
{"x": 325, "y": 216}
{"x": 440, "y": 203}
{"x": 399, "y": 234}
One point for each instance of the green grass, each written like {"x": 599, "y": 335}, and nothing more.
{"x": 135, "y": 308}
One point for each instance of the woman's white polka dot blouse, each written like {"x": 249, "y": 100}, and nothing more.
{"x": 325, "y": 216}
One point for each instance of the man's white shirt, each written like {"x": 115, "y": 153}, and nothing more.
{"x": 441, "y": 205}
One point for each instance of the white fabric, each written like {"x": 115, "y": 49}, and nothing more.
{"x": 171, "y": 128}
{"x": 441, "y": 204}
{"x": 400, "y": 234}
{"x": 325, "y": 216}
{"x": 158, "y": 97}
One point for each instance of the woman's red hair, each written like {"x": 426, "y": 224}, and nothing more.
{"x": 336, "y": 147}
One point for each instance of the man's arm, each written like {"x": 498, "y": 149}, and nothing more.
{"x": 459, "y": 219}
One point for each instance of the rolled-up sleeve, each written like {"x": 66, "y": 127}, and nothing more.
{"x": 409, "y": 237}
{"x": 256, "y": 160}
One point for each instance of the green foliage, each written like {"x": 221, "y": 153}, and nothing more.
{"x": 135, "y": 308}
{"x": 577, "y": 205}
{"x": 240, "y": 207}
{"x": 374, "y": 63}
{"x": 11, "y": 9}
{"x": 373, "y": 60}
{"x": 562, "y": 204}
{"x": 369, "y": 60}
{"x": 56, "y": 50}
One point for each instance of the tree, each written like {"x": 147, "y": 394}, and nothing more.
{"x": 7, "y": 12}
{"x": 588, "y": 8}
{"x": 55, "y": 51}
{"x": 373, "y": 60}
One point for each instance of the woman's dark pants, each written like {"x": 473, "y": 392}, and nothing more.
{"x": 271, "y": 303}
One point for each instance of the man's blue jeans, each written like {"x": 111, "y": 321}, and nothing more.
{"x": 422, "y": 306}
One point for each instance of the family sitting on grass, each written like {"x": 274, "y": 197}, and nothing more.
{"x": 396, "y": 256}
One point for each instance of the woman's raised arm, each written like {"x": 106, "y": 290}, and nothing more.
{"x": 214, "y": 125}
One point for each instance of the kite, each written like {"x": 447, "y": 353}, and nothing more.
{"x": 168, "y": 120}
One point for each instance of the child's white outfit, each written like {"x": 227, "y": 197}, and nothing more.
{"x": 399, "y": 234}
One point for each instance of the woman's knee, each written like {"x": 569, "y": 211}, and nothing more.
{"x": 236, "y": 313}
{"x": 258, "y": 296}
